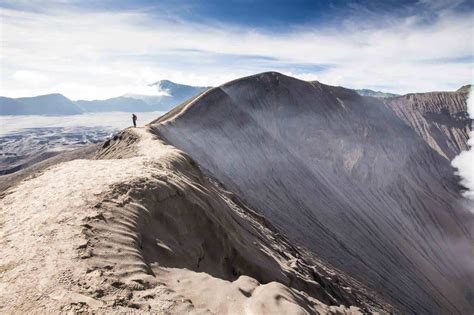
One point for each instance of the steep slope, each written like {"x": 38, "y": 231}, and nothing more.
{"x": 141, "y": 229}
{"x": 118, "y": 104}
{"x": 342, "y": 175}
{"x": 438, "y": 117}
{"x": 51, "y": 104}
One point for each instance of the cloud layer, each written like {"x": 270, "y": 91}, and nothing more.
{"x": 99, "y": 54}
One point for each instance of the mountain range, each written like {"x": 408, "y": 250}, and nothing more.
{"x": 51, "y": 104}
{"x": 169, "y": 94}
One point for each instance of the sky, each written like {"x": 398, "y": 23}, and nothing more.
{"x": 101, "y": 49}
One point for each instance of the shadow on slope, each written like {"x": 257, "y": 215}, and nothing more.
{"x": 177, "y": 220}
{"x": 342, "y": 175}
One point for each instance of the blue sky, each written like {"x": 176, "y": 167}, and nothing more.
{"x": 99, "y": 49}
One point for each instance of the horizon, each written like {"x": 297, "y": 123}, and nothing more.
{"x": 132, "y": 96}
{"x": 89, "y": 51}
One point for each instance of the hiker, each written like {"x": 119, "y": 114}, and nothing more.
{"x": 134, "y": 119}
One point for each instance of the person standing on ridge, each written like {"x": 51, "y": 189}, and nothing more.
{"x": 134, "y": 119}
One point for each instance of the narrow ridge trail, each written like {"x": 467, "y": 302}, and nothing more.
{"x": 141, "y": 228}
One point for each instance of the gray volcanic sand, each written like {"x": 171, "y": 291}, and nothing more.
{"x": 441, "y": 118}
{"x": 346, "y": 177}
{"x": 140, "y": 228}
{"x": 201, "y": 211}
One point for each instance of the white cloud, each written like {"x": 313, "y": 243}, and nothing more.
{"x": 30, "y": 78}
{"x": 464, "y": 162}
{"x": 98, "y": 55}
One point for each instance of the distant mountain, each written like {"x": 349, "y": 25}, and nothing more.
{"x": 116, "y": 104}
{"x": 465, "y": 88}
{"x": 171, "y": 94}
{"x": 50, "y": 104}
{"x": 179, "y": 90}
{"x": 367, "y": 92}
{"x": 10, "y": 106}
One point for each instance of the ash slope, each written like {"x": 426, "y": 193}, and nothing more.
{"x": 141, "y": 229}
{"x": 342, "y": 175}
{"x": 440, "y": 118}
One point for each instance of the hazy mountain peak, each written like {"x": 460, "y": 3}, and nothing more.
{"x": 368, "y": 92}
{"x": 465, "y": 88}
{"x": 170, "y": 94}
{"x": 56, "y": 96}
{"x": 167, "y": 84}
{"x": 48, "y": 104}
